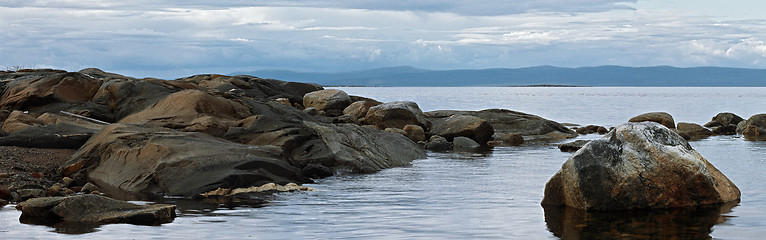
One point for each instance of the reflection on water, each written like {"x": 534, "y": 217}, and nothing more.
{"x": 679, "y": 223}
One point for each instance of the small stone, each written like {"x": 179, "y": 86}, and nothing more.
{"x": 3, "y": 202}
{"x": 5, "y": 193}
{"x": 36, "y": 175}
{"x": 96, "y": 192}
{"x": 55, "y": 189}
{"x": 602, "y": 130}
{"x": 89, "y": 187}
{"x": 512, "y": 139}
{"x": 67, "y": 181}
{"x": 284, "y": 101}
{"x": 25, "y": 194}
{"x": 464, "y": 143}
{"x": 69, "y": 191}
{"x": 5, "y": 175}
{"x": 311, "y": 111}
{"x": 396, "y": 131}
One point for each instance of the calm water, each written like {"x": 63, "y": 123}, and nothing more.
{"x": 495, "y": 194}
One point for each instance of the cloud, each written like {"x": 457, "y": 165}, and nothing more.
{"x": 173, "y": 39}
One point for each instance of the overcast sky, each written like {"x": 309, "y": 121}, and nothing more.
{"x": 180, "y": 38}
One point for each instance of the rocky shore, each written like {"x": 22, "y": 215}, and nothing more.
{"x": 65, "y": 134}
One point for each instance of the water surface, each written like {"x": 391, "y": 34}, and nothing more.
{"x": 494, "y": 194}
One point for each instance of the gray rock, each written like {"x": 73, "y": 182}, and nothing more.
{"x": 659, "y": 117}
{"x": 396, "y": 115}
{"x": 91, "y": 208}
{"x": 439, "y": 144}
{"x": 505, "y": 121}
{"x": 463, "y": 126}
{"x": 359, "y": 149}
{"x": 135, "y": 159}
{"x": 638, "y": 166}
{"x": 464, "y": 144}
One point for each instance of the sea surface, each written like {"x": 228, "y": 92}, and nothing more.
{"x": 487, "y": 195}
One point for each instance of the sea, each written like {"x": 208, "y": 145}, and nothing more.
{"x": 492, "y": 194}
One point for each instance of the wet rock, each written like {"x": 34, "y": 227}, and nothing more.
{"x": 3, "y": 202}
{"x": 573, "y": 146}
{"x": 265, "y": 188}
{"x": 94, "y": 209}
{"x": 414, "y": 132}
{"x": 602, "y": 130}
{"x": 505, "y": 121}
{"x": 396, "y": 115}
{"x": 191, "y": 110}
{"x": 725, "y": 130}
{"x": 659, "y": 117}
{"x": 137, "y": 159}
{"x": 5, "y": 193}
{"x": 638, "y": 166}
{"x": 724, "y": 119}
{"x": 464, "y": 144}
{"x": 463, "y": 126}
{"x": 590, "y": 129}
{"x": 359, "y": 109}
{"x": 332, "y": 101}
{"x": 438, "y": 144}
{"x": 694, "y": 131}
{"x": 512, "y": 139}
{"x": 754, "y": 128}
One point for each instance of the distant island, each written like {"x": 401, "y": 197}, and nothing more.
{"x": 602, "y": 76}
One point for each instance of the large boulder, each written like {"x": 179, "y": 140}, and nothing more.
{"x": 396, "y": 115}
{"x": 90, "y": 208}
{"x": 138, "y": 159}
{"x": 357, "y": 148}
{"x": 659, "y": 117}
{"x": 754, "y": 128}
{"x": 60, "y": 135}
{"x": 192, "y": 110}
{"x": 638, "y": 166}
{"x": 463, "y": 126}
{"x": 331, "y": 101}
{"x": 505, "y": 121}
{"x": 120, "y": 97}
{"x": 48, "y": 91}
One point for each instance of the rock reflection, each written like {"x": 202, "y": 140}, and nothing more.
{"x": 681, "y": 223}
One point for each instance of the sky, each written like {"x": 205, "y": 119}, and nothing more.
{"x": 172, "y": 38}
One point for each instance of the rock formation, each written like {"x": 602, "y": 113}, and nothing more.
{"x": 638, "y": 166}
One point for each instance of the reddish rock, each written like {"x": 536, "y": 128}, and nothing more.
{"x": 659, "y": 117}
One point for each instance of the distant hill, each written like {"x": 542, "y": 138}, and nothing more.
{"x": 660, "y": 76}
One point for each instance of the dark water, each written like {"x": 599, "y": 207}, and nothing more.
{"x": 494, "y": 194}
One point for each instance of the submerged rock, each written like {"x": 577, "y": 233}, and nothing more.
{"x": 638, "y": 166}
{"x": 90, "y": 208}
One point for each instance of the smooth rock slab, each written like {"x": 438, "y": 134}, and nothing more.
{"x": 638, "y": 166}
{"x": 94, "y": 209}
